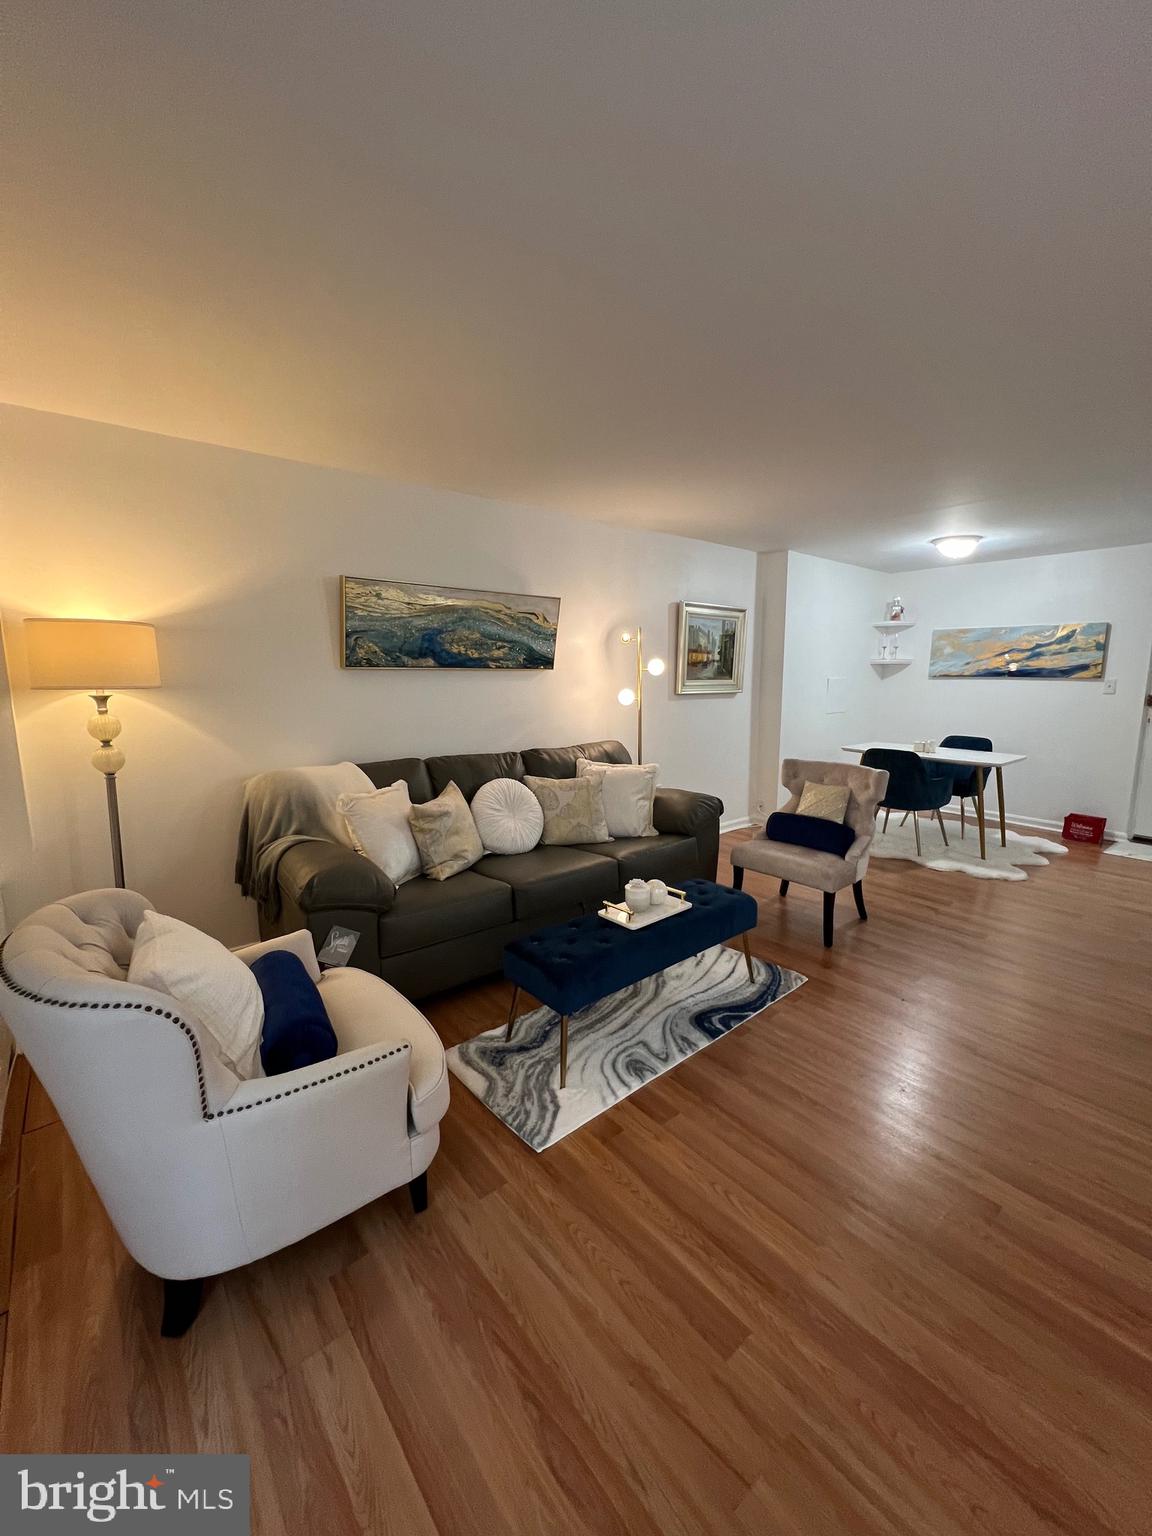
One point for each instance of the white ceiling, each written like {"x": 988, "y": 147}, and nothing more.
{"x": 836, "y": 275}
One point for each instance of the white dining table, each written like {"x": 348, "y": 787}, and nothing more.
{"x": 961, "y": 757}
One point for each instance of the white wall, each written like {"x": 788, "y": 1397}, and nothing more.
{"x": 768, "y": 679}
{"x": 237, "y": 559}
{"x": 1081, "y": 743}
{"x": 827, "y": 608}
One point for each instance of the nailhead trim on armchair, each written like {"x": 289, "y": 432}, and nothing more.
{"x": 189, "y": 1033}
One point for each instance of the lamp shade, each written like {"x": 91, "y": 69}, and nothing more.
{"x": 91, "y": 655}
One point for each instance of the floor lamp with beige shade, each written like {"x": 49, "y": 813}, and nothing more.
{"x": 97, "y": 657}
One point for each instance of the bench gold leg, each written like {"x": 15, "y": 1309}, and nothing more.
{"x": 563, "y": 1049}
{"x": 512, "y": 1012}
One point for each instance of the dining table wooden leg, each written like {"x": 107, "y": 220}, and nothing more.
{"x": 980, "y": 812}
{"x": 1000, "y": 804}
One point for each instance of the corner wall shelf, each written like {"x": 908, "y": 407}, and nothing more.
{"x": 892, "y": 661}
{"x": 893, "y": 626}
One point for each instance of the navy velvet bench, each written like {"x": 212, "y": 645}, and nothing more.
{"x": 570, "y": 965}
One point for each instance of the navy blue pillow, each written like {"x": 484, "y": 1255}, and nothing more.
{"x": 810, "y": 832}
{"x": 297, "y": 1032}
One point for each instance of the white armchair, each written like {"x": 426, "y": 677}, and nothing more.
{"x": 200, "y": 1171}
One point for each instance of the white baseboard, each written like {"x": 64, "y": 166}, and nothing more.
{"x": 1110, "y": 835}
{"x": 735, "y": 823}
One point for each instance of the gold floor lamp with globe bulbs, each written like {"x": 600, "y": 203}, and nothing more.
{"x": 97, "y": 657}
{"x": 634, "y": 697}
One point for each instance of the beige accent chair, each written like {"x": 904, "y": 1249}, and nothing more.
{"x": 825, "y": 872}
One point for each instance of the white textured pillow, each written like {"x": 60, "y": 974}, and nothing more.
{"x": 507, "y": 816}
{"x": 629, "y": 789}
{"x": 208, "y": 980}
{"x": 379, "y": 824}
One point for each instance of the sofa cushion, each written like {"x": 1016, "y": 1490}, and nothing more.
{"x": 507, "y": 816}
{"x": 605, "y": 751}
{"x": 431, "y": 911}
{"x": 217, "y": 988}
{"x": 668, "y": 857}
{"x": 810, "y": 832}
{"x": 445, "y": 834}
{"x": 829, "y": 801}
{"x": 297, "y": 1031}
{"x": 468, "y": 770}
{"x": 551, "y": 762}
{"x": 411, "y": 769}
{"x": 560, "y": 762}
{"x": 628, "y": 790}
{"x": 549, "y": 880}
{"x": 380, "y": 824}
{"x": 573, "y": 810}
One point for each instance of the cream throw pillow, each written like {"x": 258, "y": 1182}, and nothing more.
{"x": 206, "y": 979}
{"x": 827, "y": 801}
{"x": 507, "y": 816}
{"x": 378, "y": 823}
{"x": 628, "y": 789}
{"x": 573, "y": 810}
{"x": 446, "y": 835}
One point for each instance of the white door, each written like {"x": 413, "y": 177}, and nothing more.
{"x": 1143, "y": 820}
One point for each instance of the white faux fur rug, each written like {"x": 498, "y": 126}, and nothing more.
{"x": 963, "y": 854}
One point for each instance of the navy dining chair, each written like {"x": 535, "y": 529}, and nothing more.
{"x": 911, "y": 787}
{"x": 964, "y": 779}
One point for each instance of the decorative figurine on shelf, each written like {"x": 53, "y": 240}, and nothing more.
{"x": 895, "y": 611}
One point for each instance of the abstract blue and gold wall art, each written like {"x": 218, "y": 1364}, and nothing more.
{"x": 405, "y": 624}
{"x": 1075, "y": 651}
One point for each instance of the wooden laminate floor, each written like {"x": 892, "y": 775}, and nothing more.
{"x": 879, "y": 1262}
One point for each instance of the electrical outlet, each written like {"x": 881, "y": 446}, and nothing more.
{"x": 1110, "y": 685}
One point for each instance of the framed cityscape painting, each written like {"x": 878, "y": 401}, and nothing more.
{"x": 408, "y": 624}
{"x": 710, "y": 649}
{"x": 1067, "y": 651}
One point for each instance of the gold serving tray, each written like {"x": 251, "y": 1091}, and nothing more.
{"x": 622, "y": 915}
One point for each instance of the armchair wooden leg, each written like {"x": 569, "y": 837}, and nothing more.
{"x": 943, "y": 830}
{"x": 563, "y": 1050}
{"x": 737, "y": 877}
{"x": 418, "y": 1190}
{"x": 182, "y": 1300}
{"x": 784, "y": 887}
{"x": 916, "y": 824}
{"x": 961, "y": 815}
{"x": 887, "y": 813}
{"x": 829, "y": 912}
{"x": 858, "y": 892}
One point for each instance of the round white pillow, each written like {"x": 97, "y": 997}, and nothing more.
{"x": 507, "y": 816}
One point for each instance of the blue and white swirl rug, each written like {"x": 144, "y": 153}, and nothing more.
{"x": 614, "y": 1046}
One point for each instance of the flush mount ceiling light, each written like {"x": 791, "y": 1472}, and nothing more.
{"x": 957, "y": 546}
